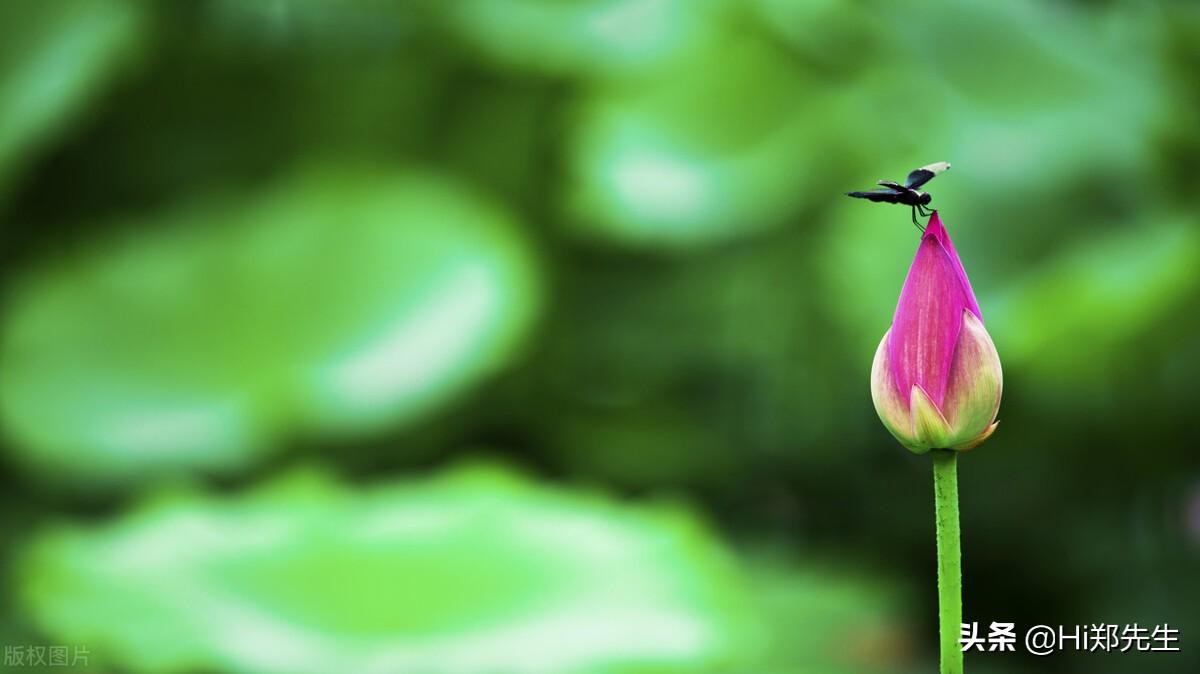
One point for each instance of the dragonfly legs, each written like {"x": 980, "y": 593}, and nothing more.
{"x": 923, "y": 212}
{"x": 916, "y": 224}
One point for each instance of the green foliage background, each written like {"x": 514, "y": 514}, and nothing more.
{"x": 534, "y": 335}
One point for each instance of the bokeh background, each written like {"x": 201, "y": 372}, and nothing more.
{"x": 533, "y": 336}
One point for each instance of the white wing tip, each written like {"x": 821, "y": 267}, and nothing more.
{"x": 937, "y": 167}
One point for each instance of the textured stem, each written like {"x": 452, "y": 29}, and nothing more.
{"x": 949, "y": 558}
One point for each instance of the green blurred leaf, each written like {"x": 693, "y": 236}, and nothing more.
{"x": 477, "y": 570}
{"x": 335, "y": 303}
{"x": 53, "y": 58}
{"x": 831, "y": 617}
{"x": 1069, "y": 319}
{"x": 647, "y": 170}
{"x": 590, "y": 37}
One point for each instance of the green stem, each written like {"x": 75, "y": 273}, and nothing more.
{"x": 949, "y": 558}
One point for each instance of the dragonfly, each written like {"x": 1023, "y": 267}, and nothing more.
{"x": 908, "y": 194}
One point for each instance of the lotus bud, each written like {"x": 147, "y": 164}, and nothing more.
{"x": 936, "y": 379}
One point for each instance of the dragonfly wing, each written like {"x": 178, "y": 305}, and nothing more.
{"x": 925, "y": 174}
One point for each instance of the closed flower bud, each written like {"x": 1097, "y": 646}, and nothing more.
{"x": 936, "y": 379}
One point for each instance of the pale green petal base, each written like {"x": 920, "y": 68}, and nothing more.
{"x": 930, "y": 429}
{"x": 977, "y": 440}
{"x": 975, "y": 384}
{"x": 891, "y": 408}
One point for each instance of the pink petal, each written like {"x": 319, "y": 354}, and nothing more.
{"x": 929, "y": 316}
{"x": 939, "y": 232}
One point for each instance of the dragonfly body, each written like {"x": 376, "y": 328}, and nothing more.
{"x": 907, "y": 194}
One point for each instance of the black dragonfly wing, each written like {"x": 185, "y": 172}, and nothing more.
{"x": 924, "y": 174}
{"x": 888, "y": 196}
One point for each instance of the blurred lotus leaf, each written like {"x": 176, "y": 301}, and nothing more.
{"x": 828, "y": 35}
{"x": 477, "y": 570}
{"x": 1047, "y": 99}
{"x": 586, "y": 37}
{"x": 830, "y": 617}
{"x": 337, "y": 302}
{"x": 1106, "y": 293}
{"x": 53, "y": 57}
{"x": 646, "y": 170}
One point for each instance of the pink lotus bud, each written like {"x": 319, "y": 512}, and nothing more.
{"x": 936, "y": 380}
